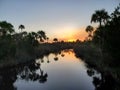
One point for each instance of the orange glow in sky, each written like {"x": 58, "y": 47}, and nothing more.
{"x": 72, "y": 34}
{"x": 62, "y": 19}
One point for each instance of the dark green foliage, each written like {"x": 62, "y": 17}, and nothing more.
{"x": 7, "y": 49}
{"x": 6, "y": 28}
{"x": 21, "y": 47}
{"x": 21, "y": 27}
{"x": 89, "y": 29}
{"x": 17, "y": 46}
{"x": 108, "y": 36}
{"x": 55, "y": 39}
{"x": 41, "y": 35}
{"x": 100, "y": 16}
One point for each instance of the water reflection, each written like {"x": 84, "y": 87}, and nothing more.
{"x": 42, "y": 60}
{"x": 56, "y": 56}
{"x": 47, "y": 56}
{"x": 67, "y": 72}
{"x": 29, "y": 73}
{"x": 102, "y": 82}
{"x": 26, "y": 72}
{"x": 7, "y": 78}
{"x": 42, "y": 77}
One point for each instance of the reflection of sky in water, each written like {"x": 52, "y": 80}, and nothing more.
{"x": 68, "y": 73}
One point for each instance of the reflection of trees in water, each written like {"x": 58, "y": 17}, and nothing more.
{"x": 47, "y": 56}
{"x": 7, "y": 78}
{"x": 42, "y": 77}
{"x": 28, "y": 72}
{"x": 62, "y": 54}
{"x": 69, "y": 51}
{"x": 56, "y": 56}
{"x": 41, "y": 59}
{"x": 103, "y": 82}
{"x": 90, "y": 72}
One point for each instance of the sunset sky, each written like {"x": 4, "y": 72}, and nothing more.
{"x": 63, "y": 19}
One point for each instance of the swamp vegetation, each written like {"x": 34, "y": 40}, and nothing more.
{"x": 101, "y": 50}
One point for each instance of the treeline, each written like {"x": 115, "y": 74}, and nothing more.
{"x": 107, "y": 34}
{"x": 14, "y": 45}
{"x": 21, "y": 47}
{"x": 101, "y": 49}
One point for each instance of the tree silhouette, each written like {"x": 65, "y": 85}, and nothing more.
{"x": 56, "y": 56}
{"x": 100, "y": 16}
{"x": 24, "y": 33}
{"x": 21, "y": 27}
{"x": 108, "y": 36}
{"x": 47, "y": 39}
{"x": 8, "y": 77}
{"x": 42, "y": 77}
{"x": 29, "y": 73}
{"x": 41, "y": 35}
{"x": 89, "y": 29}
{"x": 6, "y": 28}
{"x": 55, "y": 40}
{"x": 35, "y": 35}
{"x": 47, "y": 56}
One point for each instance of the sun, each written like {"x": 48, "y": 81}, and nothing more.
{"x": 71, "y": 40}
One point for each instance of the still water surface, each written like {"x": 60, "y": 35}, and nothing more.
{"x": 59, "y": 71}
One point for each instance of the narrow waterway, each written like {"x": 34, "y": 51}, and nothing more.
{"x": 58, "y": 71}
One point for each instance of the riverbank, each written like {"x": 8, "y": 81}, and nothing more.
{"x": 103, "y": 62}
{"x": 88, "y": 52}
{"x": 25, "y": 54}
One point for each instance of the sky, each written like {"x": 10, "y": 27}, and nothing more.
{"x": 62, "y": 19}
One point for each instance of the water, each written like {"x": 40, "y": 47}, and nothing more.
{"x": 59, "y": 71}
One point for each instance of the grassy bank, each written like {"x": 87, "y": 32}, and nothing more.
{"x": 88, "y": 52}
{"x": 25, "y": 53}
{"x": 95, "y": 58}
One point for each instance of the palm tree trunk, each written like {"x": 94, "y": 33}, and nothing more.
{"x": 100, "y": 23}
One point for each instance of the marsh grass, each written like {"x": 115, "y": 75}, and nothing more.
{"x": 25, "y": 52}
{"x": 102, "y": 61}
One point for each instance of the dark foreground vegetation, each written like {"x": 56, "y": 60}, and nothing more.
{"x": 21, "y": 47}
{"x": 101, "y": 50}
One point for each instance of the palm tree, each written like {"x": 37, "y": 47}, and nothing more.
{"x": 30, "y": 37}
{"x": 35, "y": 35}
{"x": 42, "y": 77}
{"x": 6, "y": 28}
{"x": 47, "y": 39}
{"x": 55, "y": 40}
{"x": 100, "y": 16}
{"x": 41, "y": 35}
{"x": 21, "y": 27}
{"x": 89, "y": 29}
{"x": 56, "y": 58}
